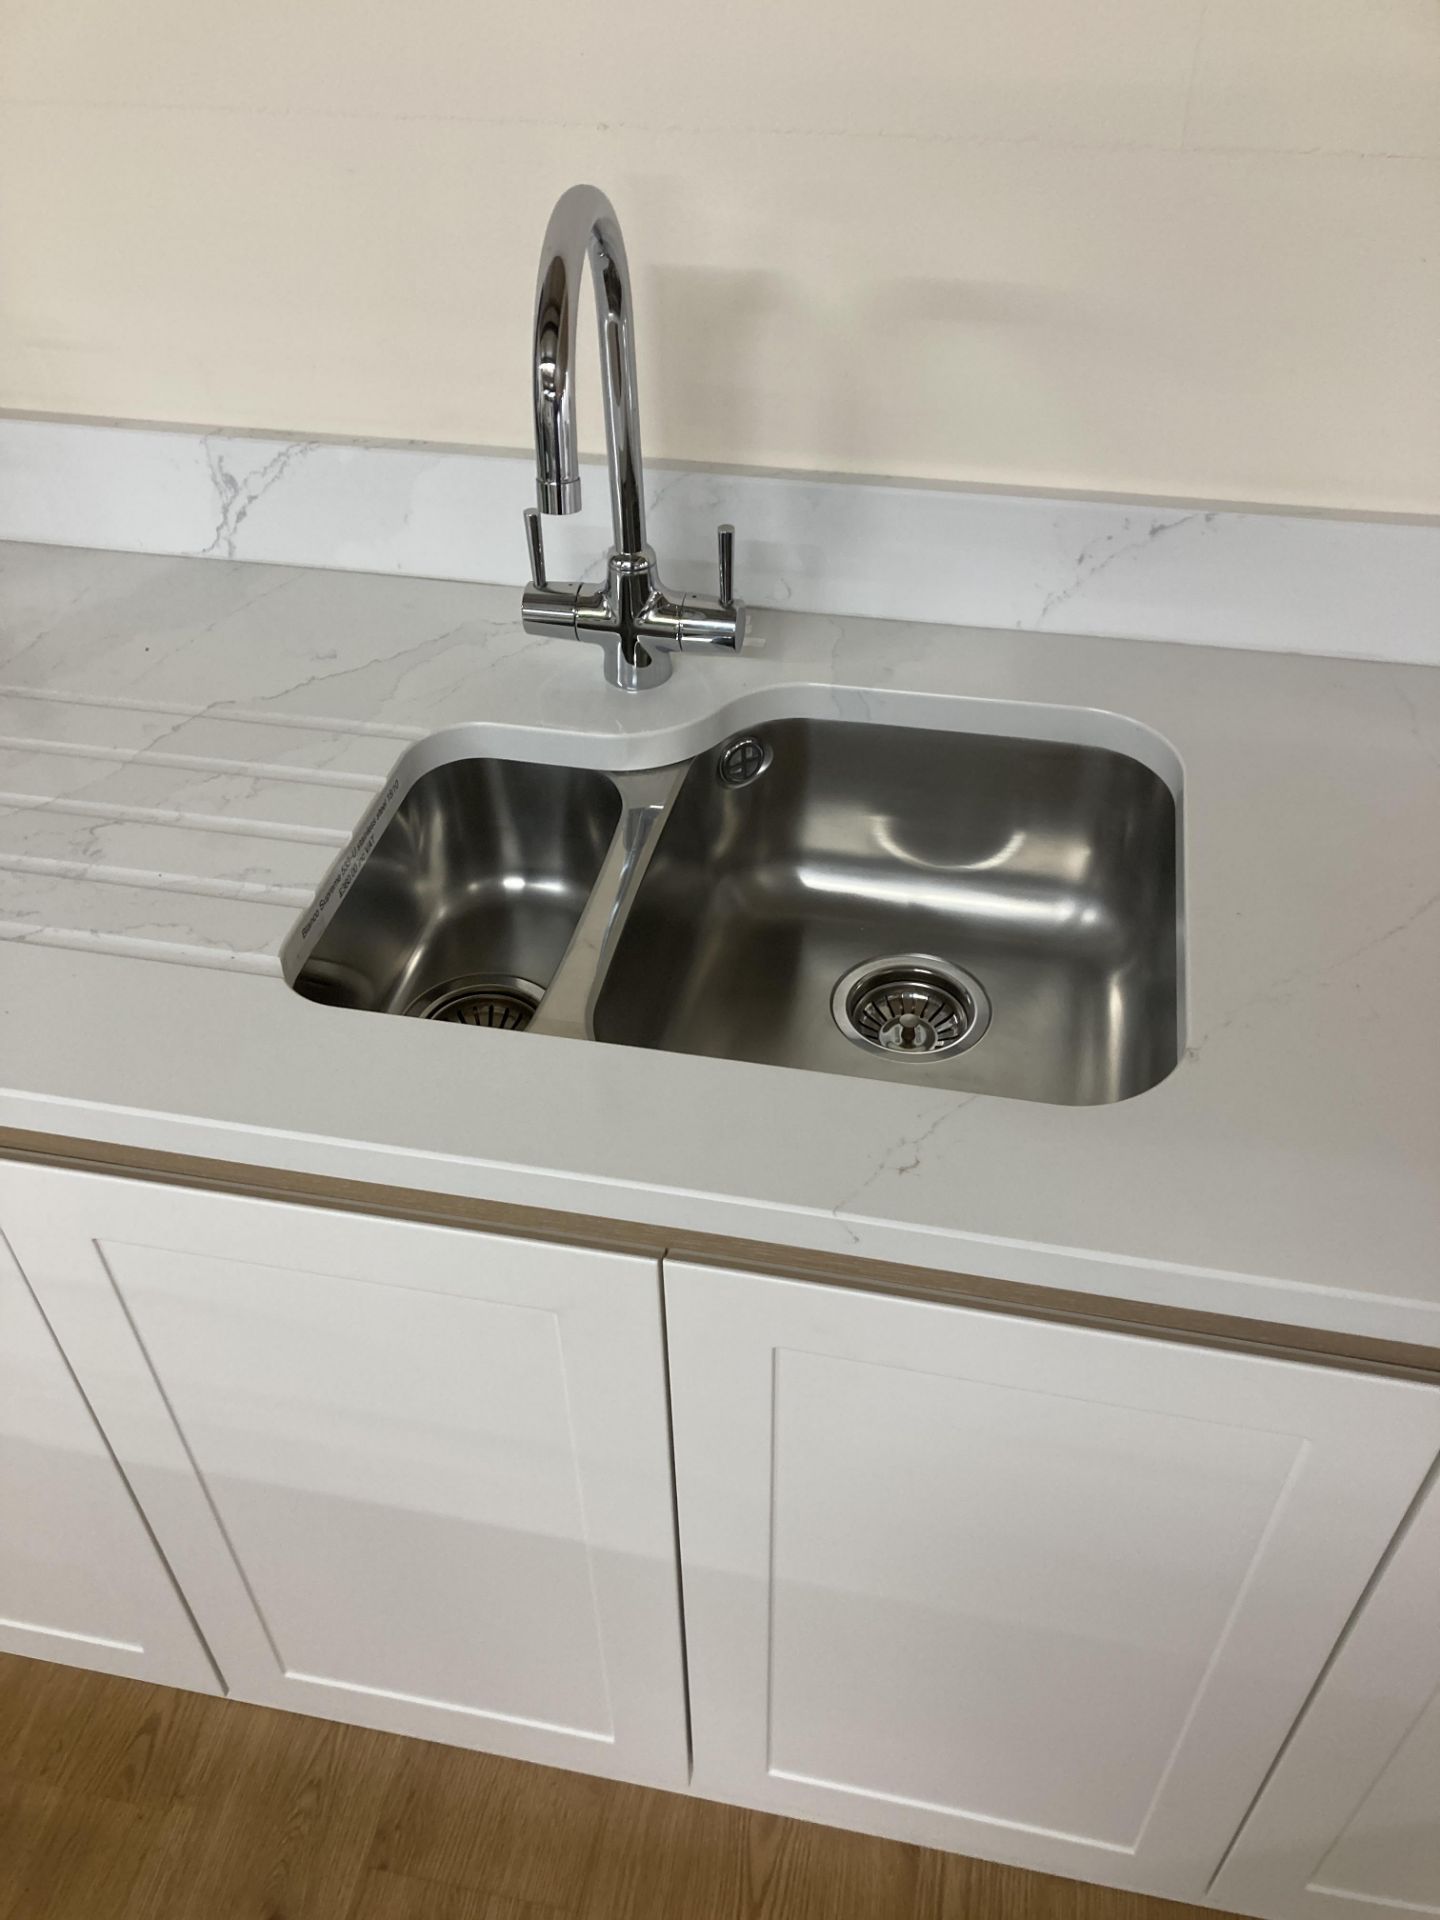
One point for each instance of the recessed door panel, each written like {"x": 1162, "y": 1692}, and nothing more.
{"x": 1043, "y": 1593}
{"x": 409, "y": 1476}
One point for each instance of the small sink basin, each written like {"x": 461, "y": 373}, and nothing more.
{"x": 471, "y": 895}
{"x": 948, "y": 910}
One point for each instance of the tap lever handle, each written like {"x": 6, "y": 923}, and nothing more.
{"x": 726, "y": 537}
{"x": 536, "y": 542}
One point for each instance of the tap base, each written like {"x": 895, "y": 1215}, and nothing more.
{"x": 635, "y": 675}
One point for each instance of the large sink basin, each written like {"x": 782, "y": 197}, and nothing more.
{"x": 1042, "y": 873}
{"x": 935, "y": 908}
{"x": 471, "y": 895}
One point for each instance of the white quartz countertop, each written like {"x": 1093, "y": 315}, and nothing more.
{"x": 186, "y": 745}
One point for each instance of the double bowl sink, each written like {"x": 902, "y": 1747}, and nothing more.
{"x": 965, "y": 910}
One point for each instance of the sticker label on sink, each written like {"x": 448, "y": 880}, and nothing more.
{"x": 354, "y": 857}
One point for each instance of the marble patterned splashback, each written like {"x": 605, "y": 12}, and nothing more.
{"x": 1286, "y": 582}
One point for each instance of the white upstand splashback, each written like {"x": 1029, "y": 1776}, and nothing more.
{"x": 1219, "y": 576}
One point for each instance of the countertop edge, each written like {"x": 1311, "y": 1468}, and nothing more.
{"x": 434, "y": 1206}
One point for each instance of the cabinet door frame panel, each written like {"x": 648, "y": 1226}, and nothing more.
{"x": 1364, "y": 1444}
{"x": 608, "y": 1309}
{"x": 170, "y": 1651}
{"x": 1383, "y": 1683}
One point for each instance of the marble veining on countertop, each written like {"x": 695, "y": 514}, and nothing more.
{"x": 185, "y": 747}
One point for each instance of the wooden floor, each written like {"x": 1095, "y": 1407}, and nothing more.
{"x": 127, "y": 1802}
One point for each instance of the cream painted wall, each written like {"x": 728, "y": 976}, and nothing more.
{"x": 1176, "y": 247}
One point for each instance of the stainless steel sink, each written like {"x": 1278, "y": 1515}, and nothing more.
{"x": 891, "y": 858}
{"x": 939, "y": 909}
{"x": 471, "y": 895}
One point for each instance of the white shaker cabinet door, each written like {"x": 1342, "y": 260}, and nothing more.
{"x": 407, "y": 1476}
{"x": 80, "y": 1578}
{"x": 1046, "y": 1594}
{"x": 1349, "y": 1822}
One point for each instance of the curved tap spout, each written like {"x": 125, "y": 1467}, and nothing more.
{"x": 633, "y": 619}
{"x": 584, "y": 225}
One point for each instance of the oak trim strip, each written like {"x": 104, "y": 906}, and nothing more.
{"x": 1310, "y": 1344}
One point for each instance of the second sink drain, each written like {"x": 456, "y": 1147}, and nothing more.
{"x": 488, "y": 1000}
{"x": 911, "y": 1004}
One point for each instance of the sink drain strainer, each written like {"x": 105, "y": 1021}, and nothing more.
{"x": 491, "y": 1000}
{"x": 911, "y": 1004}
